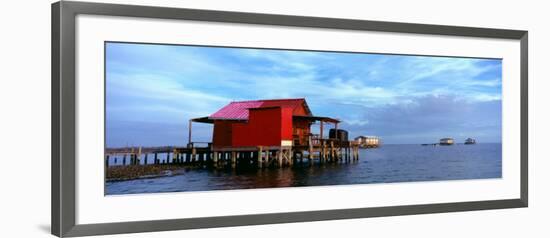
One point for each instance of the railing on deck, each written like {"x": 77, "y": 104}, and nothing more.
{"x": 316, "y": 140}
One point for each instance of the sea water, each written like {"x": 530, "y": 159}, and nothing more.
{"x": 387, "y": 164}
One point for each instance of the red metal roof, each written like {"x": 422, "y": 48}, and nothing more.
{"x": 239, "y": 110}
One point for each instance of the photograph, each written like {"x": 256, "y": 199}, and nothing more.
{"x": 187, "y": 118}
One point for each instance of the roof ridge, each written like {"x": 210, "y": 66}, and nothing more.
{"x": 240, "y": 109}
{"x": 263, "y": 100}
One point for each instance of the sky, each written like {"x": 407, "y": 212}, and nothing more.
{"x": 152, "y": 91}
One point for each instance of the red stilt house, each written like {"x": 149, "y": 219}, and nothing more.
{"x": 274, "y": 122}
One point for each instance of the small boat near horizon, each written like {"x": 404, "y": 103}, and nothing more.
{"x": 470, "y": 141}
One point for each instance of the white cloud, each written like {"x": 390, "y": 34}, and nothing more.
{"x": 160, "y": 94}
{"x": 356, "y": 122}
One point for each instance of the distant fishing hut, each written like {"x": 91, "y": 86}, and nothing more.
{"x": 368, "y": 141}
{"x": 446, "y": 141}
{"x": 263, "y": 132}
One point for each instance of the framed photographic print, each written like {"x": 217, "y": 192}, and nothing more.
{"x": 167, "y": 118}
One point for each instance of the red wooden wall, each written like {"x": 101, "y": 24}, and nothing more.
{"x": 265, "y": 127}
{"x": 222, "y": 133}
{"x": 286, "y": 123}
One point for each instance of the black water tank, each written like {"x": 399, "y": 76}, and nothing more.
{"x": 338, "y": 134}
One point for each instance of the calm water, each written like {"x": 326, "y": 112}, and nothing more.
{"x": 390, "y": 163}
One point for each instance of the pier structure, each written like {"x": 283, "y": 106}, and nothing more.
{"x": 321, "y": 150}
{"x": 262, "y": 133}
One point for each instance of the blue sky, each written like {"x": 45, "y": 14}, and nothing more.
{"x": 153, "y": 90}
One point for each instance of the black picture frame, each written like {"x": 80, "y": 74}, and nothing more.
{"x": 64, "y": 107}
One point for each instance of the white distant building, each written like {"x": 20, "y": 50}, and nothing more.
{"x": 368, "y": 141}
{"x": 446, "y": 141}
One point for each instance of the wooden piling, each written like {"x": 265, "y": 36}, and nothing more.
{"x": 132, "y": 156}
{"x": 332, "y": 155}
{"x": 260, "y": 156}
{"x": 188, "y": 157}
{"x": 322, "y": 152}
{"x": 280, "y": 158}
{"x": 208, "y": 156}
{"x": 193, "y": 154}
{"x": 310, "y": 150}
{"x": 345, "y": 154}
{"x": 291, "y": 157}
{"x": 215, "y": 158}
{"x": 138, "y": 157}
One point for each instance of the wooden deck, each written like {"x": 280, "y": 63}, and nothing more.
{"x": 321, "y": 150}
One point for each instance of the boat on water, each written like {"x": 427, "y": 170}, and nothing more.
{"x": 470, "y": 141}
{"x": 446, "y": 141}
